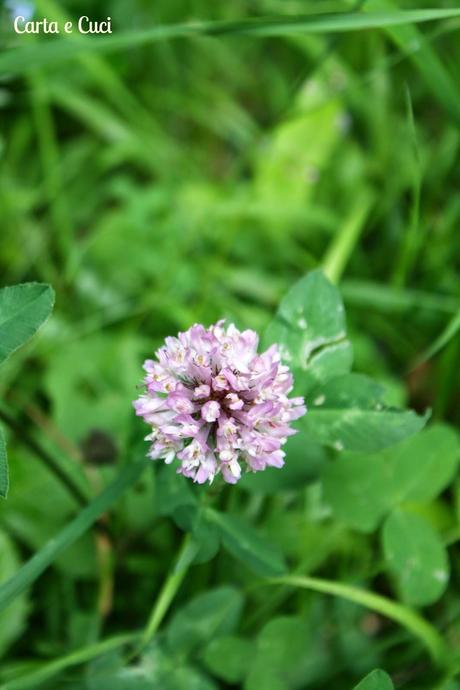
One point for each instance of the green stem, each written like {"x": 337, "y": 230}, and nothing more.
{"x": 342, "y": 246}
{"x": 35, "y": 566}
{"x": 80, "y": 656}
{"x": 168, "y": 591}
{"x": 403, "y": 615}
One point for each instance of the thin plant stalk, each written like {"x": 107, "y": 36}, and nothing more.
{"x": 169, "y": 589}
{"x": 341, "y": 249}
{"x": 35, "y": 566}
{"x": 405, "y": 616}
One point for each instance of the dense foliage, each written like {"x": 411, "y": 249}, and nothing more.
{"x": 276, "y": 181}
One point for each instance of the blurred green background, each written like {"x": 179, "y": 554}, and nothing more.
{"x": 196, "y": 179}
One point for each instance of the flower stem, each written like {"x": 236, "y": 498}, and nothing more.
{"x": 400, "y": 613}
{"x": 169, "y": 589}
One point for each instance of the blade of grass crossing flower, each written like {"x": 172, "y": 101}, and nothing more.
{"x": 19, "y": 60}
{"x": 31, "y": 570}
{"x": 393, "y": 610}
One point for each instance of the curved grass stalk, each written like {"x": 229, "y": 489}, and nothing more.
{"x": 405, "y": 616}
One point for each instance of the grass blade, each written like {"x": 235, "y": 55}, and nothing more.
{"x": 21, "y": 59}
{"x": 393, "y": 610}
{"x": 343, "y": 244}
{"x": 31, "y": 570}
{"x": 449, "y": 332}
{"x": 79, "y": 656}
{"x": 409, "y": 39}
{"x": 387, "y": 299}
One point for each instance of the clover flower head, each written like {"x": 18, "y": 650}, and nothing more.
{"x": 217, "y": 405}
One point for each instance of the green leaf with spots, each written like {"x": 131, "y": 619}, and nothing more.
{"x": 310, "y": 329}
{"x": 376, "y": 680}
{"x": 348, "y": 413}
{"x": 416, "y": 557}
{"x": 349, "y": 390}
{"x": 23, "y": 309}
